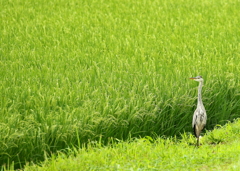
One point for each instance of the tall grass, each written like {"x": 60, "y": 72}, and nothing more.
{"x": 72, "y": 72}
{"x": 219, "y": 151}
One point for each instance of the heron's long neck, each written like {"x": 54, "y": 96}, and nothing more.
{"x": 200, "y": 94}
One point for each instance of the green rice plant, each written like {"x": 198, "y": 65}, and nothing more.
{"x": 153, "y": 154}
{"x": 74, "y": 72}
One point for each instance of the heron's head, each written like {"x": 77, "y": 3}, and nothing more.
{"x": 197, "y": 78}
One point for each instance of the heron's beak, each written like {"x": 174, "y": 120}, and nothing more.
{"x": 192, "y": 78}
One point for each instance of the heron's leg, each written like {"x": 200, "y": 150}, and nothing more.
{"x": 198, "y": 141}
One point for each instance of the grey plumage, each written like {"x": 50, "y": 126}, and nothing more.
{"x": 199, "y": 117}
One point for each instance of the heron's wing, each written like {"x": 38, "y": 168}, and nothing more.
{"x": 199, "y": 118}
{"x": 199, "y": 121}
{"x": 194, "y": 118}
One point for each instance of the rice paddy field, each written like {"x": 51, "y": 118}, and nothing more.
{"x": 76, "y": 72}
{"x": 219, "y": 152}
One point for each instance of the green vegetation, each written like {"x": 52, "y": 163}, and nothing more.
{"x": 79, "y": 71}
{"x": 220, "y": 151}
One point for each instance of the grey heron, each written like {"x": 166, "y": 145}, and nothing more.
{"x": 200, "y": 116}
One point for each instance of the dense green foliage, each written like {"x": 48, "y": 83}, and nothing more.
{"x": 74, "y": 71}
{"x": 219, "y": 151}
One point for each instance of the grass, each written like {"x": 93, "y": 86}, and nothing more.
{"x": 74, "y": 72}
{"x": 219, "y": 151}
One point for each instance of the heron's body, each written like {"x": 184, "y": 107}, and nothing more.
{"x": 200, "y": 117}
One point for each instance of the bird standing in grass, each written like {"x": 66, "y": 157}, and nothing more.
{"x": 200, "y": 116}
